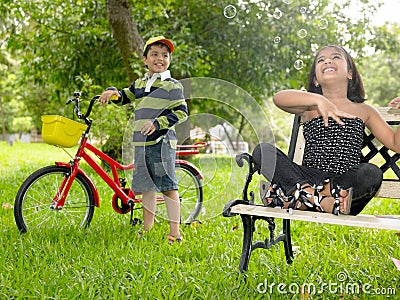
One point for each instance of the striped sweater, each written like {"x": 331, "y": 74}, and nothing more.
{"x": 161, "y": 100}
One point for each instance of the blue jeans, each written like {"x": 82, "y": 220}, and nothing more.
{"x": 154, "y": 168}
{"x": 277, "y": 167}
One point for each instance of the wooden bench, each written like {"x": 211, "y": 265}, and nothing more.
{"x": 250, "y": 212}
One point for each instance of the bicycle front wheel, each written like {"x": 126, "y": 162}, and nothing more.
{"x": 32, "y": 207}
{"x": 190, "y": 192}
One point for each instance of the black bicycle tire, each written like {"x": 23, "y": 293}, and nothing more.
{"x": 36, "y": 178}
{"x": 199, "y": 191}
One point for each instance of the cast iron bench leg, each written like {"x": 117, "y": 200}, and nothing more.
{"x": 248, "y": 229}
{"x": 288, "y": 241}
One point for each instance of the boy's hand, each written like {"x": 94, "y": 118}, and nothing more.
{"x": 148, "y": 128}
{"x": 108, "y": 95}
{"x": 395, "y": 102}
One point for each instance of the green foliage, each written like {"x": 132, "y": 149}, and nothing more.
{"x": 380, "y": 71}
{"x": 58, "y": 43}
{"x": 261, "y": 47}
{"x": 15, "y": 117}
{"x": 256, "y": 49}
{"x": 64, "y": 39}
{"x": 380, "y": 75}
{"x": 22, "y": 124}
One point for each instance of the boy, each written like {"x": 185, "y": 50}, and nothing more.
{"x": 159, "y": 105}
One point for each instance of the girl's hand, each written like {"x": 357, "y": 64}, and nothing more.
{"x": 327, "y": 109}
{"x": 148, "y": 128}
{"x": 395, "y": 102}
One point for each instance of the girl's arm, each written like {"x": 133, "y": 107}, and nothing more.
{"x": 298, "y": 102}
{"x": 381, "y": 130}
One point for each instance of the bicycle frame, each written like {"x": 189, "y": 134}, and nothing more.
{"x": 190, "y": 150}
{"x": 73, "y": 194}
{"x": 114, "y": 182}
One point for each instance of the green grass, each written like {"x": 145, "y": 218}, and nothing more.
{"x": 108, "y": 261}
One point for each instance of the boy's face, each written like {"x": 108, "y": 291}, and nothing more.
{"x": 158, "y": 59}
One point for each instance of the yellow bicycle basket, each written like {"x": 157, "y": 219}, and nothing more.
{"x": 60, "y": 131}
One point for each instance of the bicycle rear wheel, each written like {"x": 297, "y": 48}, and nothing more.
{"x": 190, "y": 192}
{"x": 32, "y": 209}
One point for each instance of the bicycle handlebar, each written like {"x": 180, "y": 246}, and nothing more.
{"x": 89, "y": 110}
{"x": 182, "y": 149}
{"x": 77, "y": 99}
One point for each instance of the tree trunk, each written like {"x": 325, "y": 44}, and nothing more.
{"x": 125, "y": 33}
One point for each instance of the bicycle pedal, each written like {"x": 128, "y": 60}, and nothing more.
{"x": 194, "y": 223}
{"x": 136, "y": 221}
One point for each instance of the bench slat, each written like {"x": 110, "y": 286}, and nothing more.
{"x": 379, "y": 222}
{"x": 300, "y": 145}
{"x": 389, "y": 114}
{"x": 389, "y": 189}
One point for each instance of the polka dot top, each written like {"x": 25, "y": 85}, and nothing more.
{"x": 334, "y": 148}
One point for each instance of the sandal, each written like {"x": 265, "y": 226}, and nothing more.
{"x": 305, "y": 197}
{"x": 271, "y": 195}
{"x": 173, "y": 239}
{"x": 336, "y": 194}
{"x": 349, "y": 201}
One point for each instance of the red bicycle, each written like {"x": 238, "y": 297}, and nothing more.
{"x": 64, "y": 195}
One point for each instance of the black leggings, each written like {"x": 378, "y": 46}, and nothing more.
{"x": 278, "y": 168}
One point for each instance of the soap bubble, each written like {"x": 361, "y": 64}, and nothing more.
{"x": 277, "y": 13}
{"x": 298, "y": 64}
{"x": 230, "y": 11}
{"x": 302, "y": 33}
{"x": 303, "y": 10}
{"x": 277, "y": 39}
{"x": 323, "y": 23}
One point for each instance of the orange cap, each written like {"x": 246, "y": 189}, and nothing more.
{"x": 160, "y": 39}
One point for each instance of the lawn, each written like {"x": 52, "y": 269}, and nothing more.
{"x": 109, "y": 261}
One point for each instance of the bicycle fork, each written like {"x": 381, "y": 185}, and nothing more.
{"x": 65, "y": 186}
{"x": 59, "y": 199}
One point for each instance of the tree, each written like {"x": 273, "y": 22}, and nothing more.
{"x": 70, "y": 45}
{"x": 126, "y": 33}
{"x": 13, "y": 113}
{"x": 381, "y": 70}
{"x": 252, "y": 45}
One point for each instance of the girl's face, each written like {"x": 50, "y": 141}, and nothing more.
{"x": 331, "y": 66}
{"x": 158, "y": 59}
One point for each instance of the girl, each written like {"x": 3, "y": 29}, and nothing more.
{"x": 334, "y": 116}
